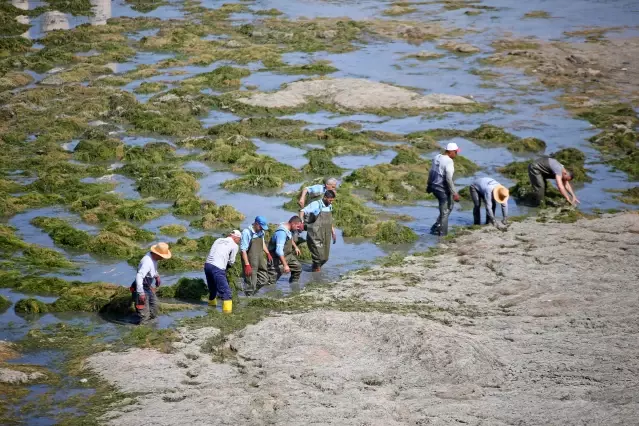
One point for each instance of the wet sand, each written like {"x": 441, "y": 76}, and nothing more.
{"x": 532, "y": 326}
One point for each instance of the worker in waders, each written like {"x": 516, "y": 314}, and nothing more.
{"x": 318, "y": 218}
{"x": 441, "y": 185}
{"x": 315, "y": 192}
{"x": 549, "y": 168}
{"x": 252, "y": 250}
{"x": 284, "y": 251}
{"x": 491, "y": 193}
{"x": 146, "y": 305}
{"x": 221, "y": 257}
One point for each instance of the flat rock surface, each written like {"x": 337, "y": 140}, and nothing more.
{"x": 353, "y": 94}
{"x": 534, "y": 326}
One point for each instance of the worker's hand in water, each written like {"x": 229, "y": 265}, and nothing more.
{"x": 158, "y": 281}
{"x": 269, "y": 258}
{"x": 575, "y": 201}
{"x": 248, "y": 271}
{"x": 456, "y": 197}
{"x": 287, "y": 269}
{"x": 142, "y": 298}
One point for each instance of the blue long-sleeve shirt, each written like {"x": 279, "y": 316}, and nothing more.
{"x": 315, "y": 190}
{"x": 248, "y": 235}
{"x": 280, "y": 236}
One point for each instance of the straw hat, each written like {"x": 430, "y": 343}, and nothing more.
{"x": 162, "y": 250}
{"x": 501, "y": 194}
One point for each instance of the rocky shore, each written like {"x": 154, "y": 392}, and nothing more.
{"x": 536, "y": 325}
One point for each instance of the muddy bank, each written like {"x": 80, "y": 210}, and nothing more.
{"x": 536, "y": 325}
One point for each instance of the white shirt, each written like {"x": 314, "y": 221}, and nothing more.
{"x": 223, "y": 252}
{"x": 147, "y": 267}
{"x": 441, "y": 174}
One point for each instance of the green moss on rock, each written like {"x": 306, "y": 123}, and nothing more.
{"x": 391, "y": 232}
{"x": 173, "y": 230}
{"x": 4, "y": 304}
{"x": 320, "y": 163}
{"x": 171, "y": 185}
{"x": 223, "y": 77}
{"x": 62, "y": 233}
{"x": 89, "y": 150}
{"x": 630, "y": 196}
{"x": 129, "y": 231}
{"x": 31, "y": 306}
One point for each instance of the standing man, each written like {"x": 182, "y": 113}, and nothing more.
{"x": 252, "y": 250}
{"x": 316, "y": 191}
{"x": 146, "y": 304}
{"x": 492, "y": 192}
{"x": 318, "y": 217}
{"x": 284, "y": 251}
{"x": 220, "y": 258}
{"x": 441, "y": 185}
{"x": 549, "y": 168}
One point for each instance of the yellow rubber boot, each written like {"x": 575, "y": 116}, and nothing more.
{"x": 213, "y": 302}
{"x": 227, "y": 306}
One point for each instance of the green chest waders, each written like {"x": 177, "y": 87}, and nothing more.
{"x": 257, "y": 260}
{"x": 276, "y": 269}
{"x": 320, "y": 234}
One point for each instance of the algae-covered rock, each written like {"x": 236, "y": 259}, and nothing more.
{"x": 13, "y": 80}
{"x": 31, "y": 306}
{"x": 606, "y": 115}
{"x": 130, "y": 231}
{"x": 171, "y": 185}
{"x": 119, "y": 304}
{"x": 173, "y": 230}
{"x": 253, "y": 182}
{"x": 104, "y": 207}
{"x": 630, "y": 196}
{"x": 222, "y": 77}
{"x": 224, "y": 217}
{"x": 99, "y": 149}
{"x": 527, "y": 145}
{"x": 202, "y": 244}
{"x": 391, "y": 232}
{"x": 62, "y": 233}
{"x": 407, "y": 155}
{"x": 619, "y": 141}
{"x": 229, "y": 150}
{"x": 147, "y": 87}
{"x": 262, "y": 127}
{"x": 9, "y": 241}
{"x": 193, "y": 206}
{"x": 628, "y": 164}
{"x": 152, "y": 152}
{"x": 314, "y": 68}
{"x": 265, "y": 166}
{"x": 458, "y": 47}
{"x": 492, "y": 133}
{"x": 320, "y": 164}
{"x": 190, "y": 289}
{"x": 44, "y": 258}
{"x": 4, "y": 304}
{"x": 113, "y": 245}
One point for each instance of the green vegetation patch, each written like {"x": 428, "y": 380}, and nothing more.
{"x": 89, "y": 150}
{"x": 391, "y": 232}
{"x": 173, "y": 230}
{"x": 150, "y": 87}
{"x": 145, "y": 6}
{"x": 186, "y": 289}
{"x": 630, "y": 196}
{"x": 537, "y": 14}
{"x": 130, "y": 231}
{"x": 320, "y": 164}
{"x": 223, "y": 77}
{"x": 314, "y": 68}
{"x": 105, "y": 207}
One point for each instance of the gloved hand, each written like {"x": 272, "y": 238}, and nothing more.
{"x": 248, "y": 271}
{"x": 158, "y": 281}
{"x": 142, "y": 298}
{"x": 269, "y": 258}
{"x": 456, "y": 197}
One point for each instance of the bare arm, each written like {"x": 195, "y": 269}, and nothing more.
{"x": 571, "y": 192}
{"x": 265, "y": 248}
{"x": 302, "y": 199}
{"x": 562, "y": 188}
{"x": 245, "y": 260}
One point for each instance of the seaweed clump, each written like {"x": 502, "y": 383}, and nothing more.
{"x": 173, "y": 230}
{"x": 320, "y": 163}
{"x": 185, "y": 288}
{"x": 391, "y": 232}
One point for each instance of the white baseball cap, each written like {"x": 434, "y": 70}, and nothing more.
{"x": 235, "y": 233}
{"x": 452, "y": 146}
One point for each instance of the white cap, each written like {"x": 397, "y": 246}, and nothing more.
{"x": 452, "y": 146}
{"x": 235, "y": 233}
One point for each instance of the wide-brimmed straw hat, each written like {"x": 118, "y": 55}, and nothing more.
{"x": 162, "y": 250}
{"x": 501, "y": 194}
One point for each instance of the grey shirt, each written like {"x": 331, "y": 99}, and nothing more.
{"x": 485, "y": 187}
{"x": 440, "y": 177}
{"x": 549, "y": 167}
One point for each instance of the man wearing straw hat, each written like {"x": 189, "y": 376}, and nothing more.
{"x": 492, "y": 193}
{"x": 146, "y": 305}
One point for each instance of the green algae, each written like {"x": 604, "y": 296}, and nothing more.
{"x": 269, "y": 12}
{"x": 105, "y": 207}
{"x": 537, "y": 14}
{"x": 186, "y": 289}
{"x": 605, "y": 115}
{"x": 253, "y": 182}
{"x": 13, "y": 80}
{"x": 229, "y": 150}
{"x": 261, "y": 127}
{"x": 492, "y": 133}
{"x": 42, "y": 258}
{"x": 112, "y": 245}
{"x": 145, "y": 6}
{"x": 127, "y": 230}
{"x": 406, "y": 155}
{"x": 263, "y": 165}
{"x": 391, "y": 232}
{"x": 629, "y": 196}
{"x": 61, "y": 232}
{"x": 223, "y": 77}
{"x": 4, "y": 304}
{"x": 628, "y": 164}
{"x": 223, "y": 218}
{"x": 313, "y": 68}
{"x": 320, "y": 164}
{"x": 168, "y": 185}
{"x": 11, "y": 205}
{"x": 99, "y": 150}
{"x": 31, "y": 306}
{"x": 147, "y": 87}
{"x": 173, "y": 230}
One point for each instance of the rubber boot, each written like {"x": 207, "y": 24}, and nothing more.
{"x": 213, "y": 302}
{"x": 227, "y": 306}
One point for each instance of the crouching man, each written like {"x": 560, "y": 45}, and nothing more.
{"x": 146, "y": 305}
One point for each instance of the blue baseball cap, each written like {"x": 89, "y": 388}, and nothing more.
{"x": 261, "y": 220}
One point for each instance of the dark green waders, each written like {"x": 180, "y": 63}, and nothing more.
{"x": 319, "y": 238}
{"x": 276, "y": 270}
{"x": 257, "y": 260}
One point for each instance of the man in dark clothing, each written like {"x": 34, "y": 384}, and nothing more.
{"x": 440, "y": 184}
